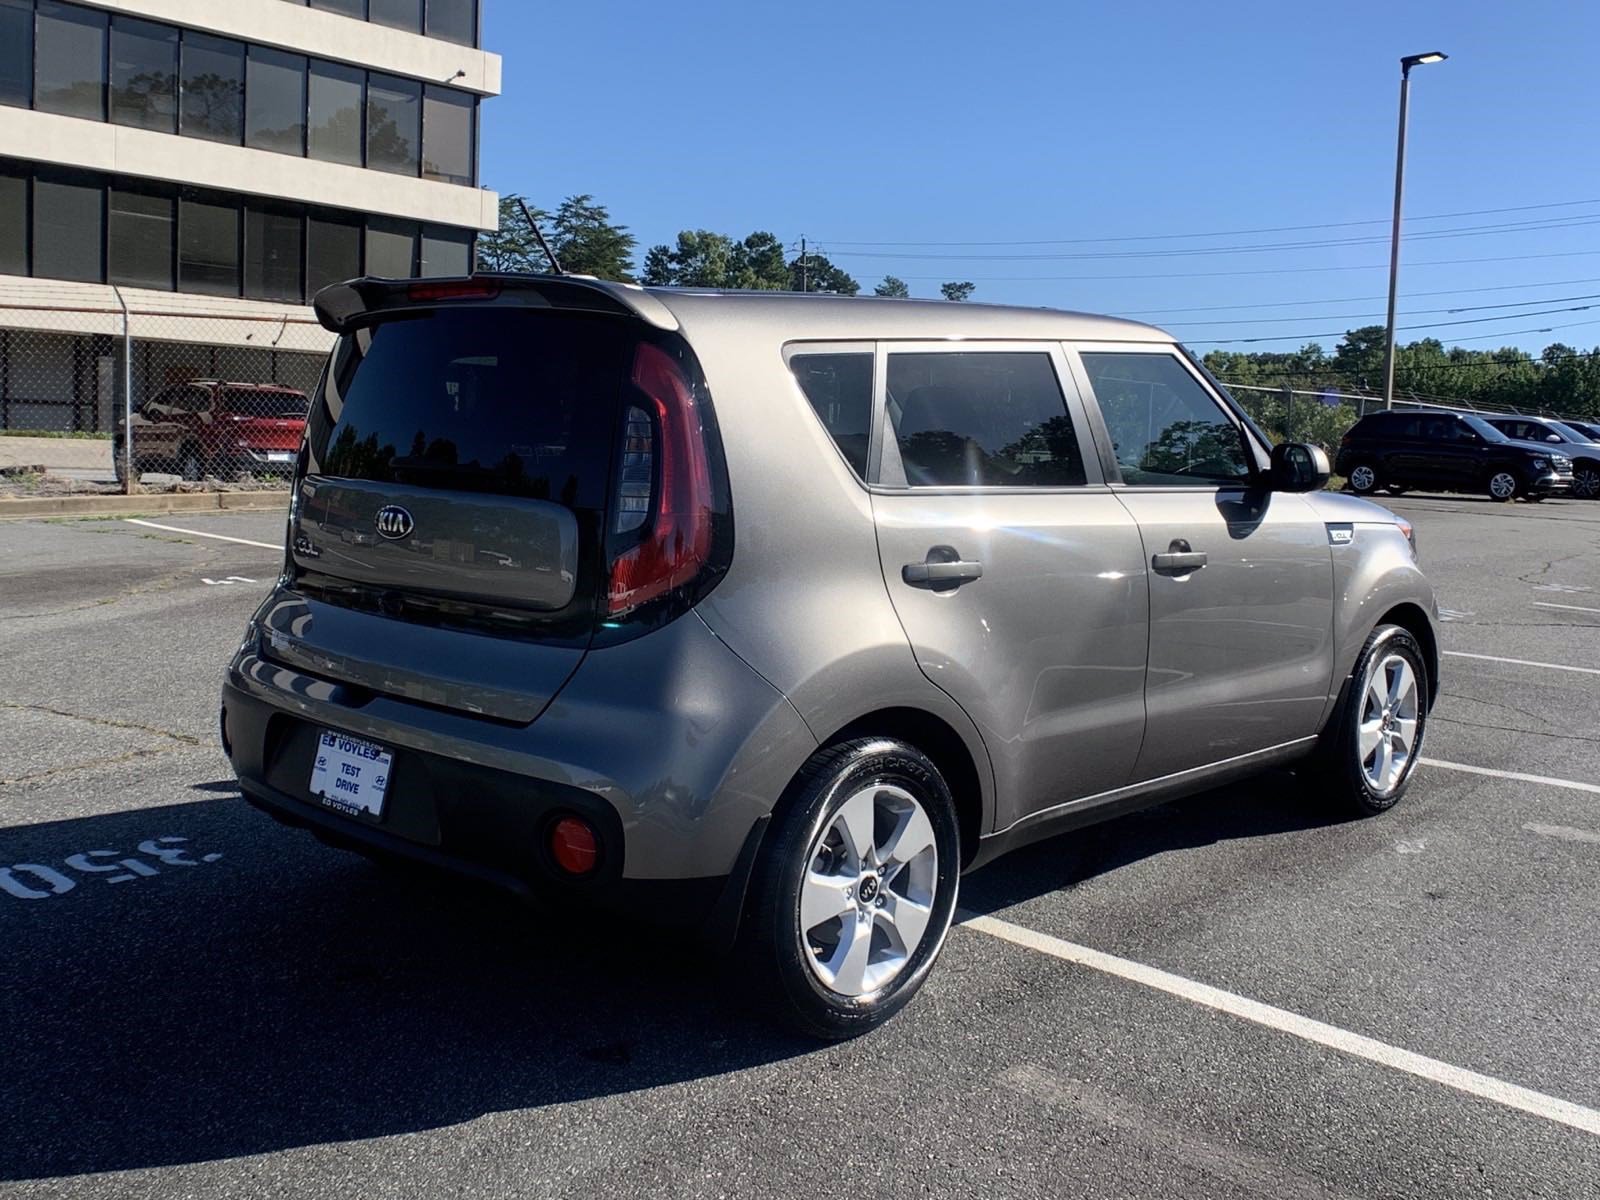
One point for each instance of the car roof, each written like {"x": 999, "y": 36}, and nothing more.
{"x": 817, "y": 315}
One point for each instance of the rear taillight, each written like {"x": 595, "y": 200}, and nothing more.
{"x": 665, "y": 466}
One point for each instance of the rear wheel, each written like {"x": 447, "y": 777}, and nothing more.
{"x": 1503, "y": 486}
{"x": 1363, "y": 478}
{"x": 190, "y": 468}
{"x": 857, "y": 888}
{"x": 1375, "y": 738}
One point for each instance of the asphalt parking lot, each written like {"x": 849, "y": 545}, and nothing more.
{"x": 1239, "y": 994}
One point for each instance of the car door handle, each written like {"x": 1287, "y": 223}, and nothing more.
{"x": 1179, "y": 559}
{"x": 941, "y": 569}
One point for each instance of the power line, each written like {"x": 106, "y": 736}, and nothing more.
{"x": 1410, "y": 266}
{"x": 1407, "y": 328}
{"x": 1259, "y": 248}
{"x": 1353, "y": 372}
{"x": 1413, "y": 312}
{"x": 1156, "y": 237}
{"x": 1504, "y": 287}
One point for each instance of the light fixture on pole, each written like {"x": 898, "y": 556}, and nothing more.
{"x": 1406, "y": 63}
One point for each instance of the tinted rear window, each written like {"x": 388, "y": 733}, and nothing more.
{"x": 497, "y": 400}
{"x": 265, "y": 404}
{"x": 839, "y": 387}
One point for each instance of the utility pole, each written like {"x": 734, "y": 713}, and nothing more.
{"x": 805, "y": 276}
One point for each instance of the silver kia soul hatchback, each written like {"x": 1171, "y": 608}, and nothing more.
{"x": 774, "y": 614}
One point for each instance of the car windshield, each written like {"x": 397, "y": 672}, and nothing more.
{"x": 265, "y": 403}
{"x": 1487, "y": 431}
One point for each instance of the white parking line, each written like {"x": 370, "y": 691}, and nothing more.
{"x": 1565, "y": 832}
{"x": 1547, "y": 780}
{"x": 1522, "y": 662}
{"x": 1566, "y": 607}
{"x": 221, "y": 537}
{"x": 1486, "y": 1087}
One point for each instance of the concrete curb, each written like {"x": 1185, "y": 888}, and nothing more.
{"x": 143, "y": 504}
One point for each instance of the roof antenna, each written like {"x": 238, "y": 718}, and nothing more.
{"x": 555, "y": 265}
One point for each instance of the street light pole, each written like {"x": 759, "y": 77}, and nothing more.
{"x": 1411, "y": 60}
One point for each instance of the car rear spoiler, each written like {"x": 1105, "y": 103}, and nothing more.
{"x": 343, "y": 307}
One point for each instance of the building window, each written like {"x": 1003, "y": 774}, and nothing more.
{"x": 275, "y": 101}
{"x": 446, "y": 251}
{"x": 144, "y": 74}
{"x": 400, "y": 14}
{"x": 13, "y": 224}
{"x": 394, "y": 119}
{"x": 333, "y": 252}
{"x": 454, "y": 21}
{"x": 391, "y": 248}
{"x": 69, "y": 223}
{"x": 140, "y": 242}
{"x": 447, "y": 135}
{"x": 213, "y": 88}
{"x": 208, "y": 247}
{"x": 70, "y": 61}
{"x": 16, "y": 52}
{"x": 337, "y": 98}
{"x": 274, "y": 253}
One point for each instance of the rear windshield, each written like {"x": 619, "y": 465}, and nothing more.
{"x": 476, "y": 399}
{"x": 265, "y": 404}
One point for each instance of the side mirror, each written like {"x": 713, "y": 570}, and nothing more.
{"x": 1297, "y": 467}
{"x": 1553, "y": 438}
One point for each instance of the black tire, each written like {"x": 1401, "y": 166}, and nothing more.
{"x": 1586, "y": 481}
{"x": 777, "y": 949}
{"x": 1340, "y": 762}
{"x": 190, "y": 466}
{"x": 1364, "y": 478}
{"x": 1395, "y": 490}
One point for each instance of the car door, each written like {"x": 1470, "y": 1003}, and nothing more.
{"x": 1016, "y": 573}
{"x": 1240, "y": 578}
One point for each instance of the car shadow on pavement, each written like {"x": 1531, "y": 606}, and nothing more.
{"x": 250, "y": 991}
{"x": 289, "y": 995}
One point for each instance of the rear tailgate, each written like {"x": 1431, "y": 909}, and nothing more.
{"x": 447, "y": 537}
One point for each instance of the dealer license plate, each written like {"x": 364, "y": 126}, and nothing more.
{"x": 350, "y": 775}
{"x": 280, "y": 456}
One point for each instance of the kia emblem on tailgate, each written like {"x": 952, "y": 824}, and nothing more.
{"x": 393, "y": 522}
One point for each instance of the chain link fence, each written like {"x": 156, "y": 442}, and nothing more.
{"x": 174, "y": 387}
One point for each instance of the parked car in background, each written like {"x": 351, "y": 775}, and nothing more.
{"x": 777, "y": 613}
{"x": 1588, "y": 428}
{"x": 212, "y": 427}
{"x": 1581, "y": 447}
{"x": 1447, "y": 452}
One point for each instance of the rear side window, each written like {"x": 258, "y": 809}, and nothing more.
{"x": 839, "y": 388}
{"x": 982, "y": 420}
{"x": 264, "y": 403}
{"x": 1166, "y": 430}
{"x": 507, "y": 401}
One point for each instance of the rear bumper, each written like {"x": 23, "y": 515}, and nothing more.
{"x": 670, "y": 747}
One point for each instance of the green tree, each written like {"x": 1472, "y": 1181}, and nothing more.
{"x": 587, "y": 242}
{"x": 757, "y": 262}
{"x": 892, "y": 286}
{"x": 813, "y": 272}
{"x": 957, "y": 291}
{"x": 513, "y": 248}
{"x": 699, "y": 259}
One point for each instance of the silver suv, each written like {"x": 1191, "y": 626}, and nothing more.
{"x": 775, "y": 614}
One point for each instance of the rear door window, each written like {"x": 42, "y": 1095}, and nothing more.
{"x": 839, "y": 389}
{"x": 981, "y": 419}
{"x": 1166, "y": 429}
{"x": 496, "y": 400}
{"x": 264, "y": 403}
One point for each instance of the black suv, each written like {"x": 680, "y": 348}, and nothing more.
{"x": 1447, "y": 452}
{"x": 1564, "y": 437}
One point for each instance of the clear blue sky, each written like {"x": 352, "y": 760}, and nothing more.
{"x": 874, "y": 122}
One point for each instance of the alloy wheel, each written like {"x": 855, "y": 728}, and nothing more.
{"x": 868, "y": 892}
{"x": 1503, "y": 485}
{"x": 1586, "y": 483}
{"x": 1363, "y": 478}
{"x": 1388, "y": 726}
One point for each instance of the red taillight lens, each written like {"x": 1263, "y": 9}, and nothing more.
{"x": 427, "y": 293}
{"x": 574, "y": 846}
{"x": 678, "y": 542}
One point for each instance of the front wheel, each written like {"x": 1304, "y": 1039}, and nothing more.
{"x": 1375, "y": 738}
{"x": 1363, "y": 479}
{"x": 1586, "y": 483}
{"x": 856, "y": 891}
{"x": 1503, "y": 486}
